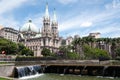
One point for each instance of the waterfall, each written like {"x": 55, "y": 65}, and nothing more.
{"x": 104, "y": 70}
{"x": 27, "y": 71}
{"x": 65, "y": 70}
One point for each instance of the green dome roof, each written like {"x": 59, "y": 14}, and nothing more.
{"x": 29, "y": 26}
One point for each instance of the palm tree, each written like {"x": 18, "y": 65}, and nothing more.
{"x": 113, "y": 47}
{"x": 106, "y": 42}
{"x": 78, "y": 46}
{"x": 98, "y": 43}
{"x": 75, "y": 43}
{"x": 85, "y": 40}
{"x": 92, "y": 41}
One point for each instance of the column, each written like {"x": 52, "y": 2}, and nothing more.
{"x": 46, "y": 41}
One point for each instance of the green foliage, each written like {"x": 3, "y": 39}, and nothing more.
{"x": 8, "y": 46}
{"x": 20, "y": 47}
{"x": 94, "y": 53}
{"x": 65, "y": 52}
{"x": 63, "y": 42}
{"x": 118, "y": 52}
{"x": 72, "y": 55}
{"x": 46, "y": 52}
{"x": 12, "y": 48}
{"x": 4, "y": 78}
{"x": 24, "y": 50}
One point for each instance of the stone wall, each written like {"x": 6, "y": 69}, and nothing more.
{"x": 7, "y": 70}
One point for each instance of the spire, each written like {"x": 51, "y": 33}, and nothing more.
{"x": 19, "y": 29}
{"x": 29, "y": 29}
{"x": 46, "y": 11}
{"x": 39, "y": 31}
{"x": 54, "y": 17}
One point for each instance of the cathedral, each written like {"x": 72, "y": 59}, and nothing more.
{"x": 36, "y": 40}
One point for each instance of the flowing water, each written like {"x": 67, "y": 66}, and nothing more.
{"x": 35, "y": 73}
{"x": 27, "y": 71}
{"x": 68, "y": 77}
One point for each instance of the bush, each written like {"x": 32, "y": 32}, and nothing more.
{"x": 72, "y": 55}
{"x": 94, "y": 53}
{"x": 31, "y": 58}
{"x": 46, "y": 52}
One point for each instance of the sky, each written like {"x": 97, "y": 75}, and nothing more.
{"x": 75, "y": 17}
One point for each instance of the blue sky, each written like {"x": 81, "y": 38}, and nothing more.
{"x": 74, "y": 16}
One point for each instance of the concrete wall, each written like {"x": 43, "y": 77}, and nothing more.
{"x": 7, "y": 70}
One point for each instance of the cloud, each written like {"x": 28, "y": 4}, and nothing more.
{"x": 73, "y": 33}
{"x": 104, "y": 30}
{"x": 104, "y": 18}
{"x": 9, "y": 22}
{"x": 115, "y": 35}
{"x": 7, "y": 19}
{"x": 75, "y": 22}
{"x": 111, "y": 30}
{"x": 88, "y": 2}
{"x": 86, "y": 24}
{"x": 83, "y": 23}
{"x": 114, "y": 5}
{"x": 69, "y": 24}
{"x": 84, "y": 19}
{"x": 36, "y": 19}
{"x": 67, "y": 1}
{"x": 7, "y": 5}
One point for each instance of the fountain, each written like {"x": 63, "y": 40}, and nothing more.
{"x": 104, "y": 70}
{"x": 27, "y": 71}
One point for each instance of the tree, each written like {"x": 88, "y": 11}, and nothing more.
{"x": 94, "y": 53}
{"x": 20, "y": 47}
{"x": 22, "y": 50}
{"x": 113, "y": 48}
{"x": 75, "y": 44}
{"x": 117, "y": 52}
{"x": 46, "y": 52}
{"x": 8, "y": 46}
{"x": 66, "y": 53}
{"x": 78, "y": 46}
{"x": 12, "y": 48}
{"x": 73, "y": 55}
{"x": 26, "y": 52}
{"x": 63, "y": 50}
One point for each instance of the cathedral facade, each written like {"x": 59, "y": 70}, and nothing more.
{"x": 36, "y": 40}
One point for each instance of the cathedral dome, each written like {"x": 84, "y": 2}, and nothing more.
{"x": 29, "y": 26}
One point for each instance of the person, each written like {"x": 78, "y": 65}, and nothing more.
{"x": 3, "y": 52}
